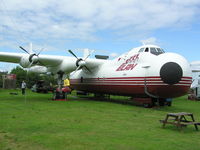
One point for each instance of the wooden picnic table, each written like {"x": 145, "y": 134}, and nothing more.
{"x": 180, "y": 119}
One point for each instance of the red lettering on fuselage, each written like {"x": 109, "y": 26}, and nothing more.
{"x": 132, "y": 59}
{"x": 121, "y": 68}
{"x": 129, "y": 64}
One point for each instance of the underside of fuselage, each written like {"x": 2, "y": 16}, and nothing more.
{"x": 132, "y": 86}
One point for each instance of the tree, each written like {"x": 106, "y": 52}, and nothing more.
{"x": 1, "y": 78}
{"x": 20, "y": 73}
{"x": 30, "y": 78}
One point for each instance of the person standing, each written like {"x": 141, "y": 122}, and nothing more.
{"x": 23, "y": 87}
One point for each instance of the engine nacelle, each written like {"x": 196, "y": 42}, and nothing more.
{"x": 24, "y": 62}
{"x": 29, "y": 60}
{"x": 38, "y": 69}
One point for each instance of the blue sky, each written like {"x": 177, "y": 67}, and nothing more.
{"x": 109, "y": 27}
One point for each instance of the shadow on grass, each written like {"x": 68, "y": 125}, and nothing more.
{"x": 123, "y": 100}
{"x": 185, "y": 130}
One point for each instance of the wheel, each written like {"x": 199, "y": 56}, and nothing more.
{"x": 161, "y": 102}
{"x": 147, "y": 105}
{"x": 169, "y": 103}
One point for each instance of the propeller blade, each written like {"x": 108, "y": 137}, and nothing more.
{"x": 89, "y": 53}
{"x": 88, "y": 69}
{"x": 31, "y": 64}
{"x": 86, "y": 55}
{"x": 72, "y": 53}
{"x": 75, "y": 71}
{"x": 40, "y": 51}
{"x": 24, "y": 50}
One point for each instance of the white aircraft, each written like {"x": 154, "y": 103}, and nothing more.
{"x": 143, "y": 72}
{"x": 196, "y": 73}
{"x": 195, "y": 66}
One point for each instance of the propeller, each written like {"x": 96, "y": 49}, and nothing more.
{"x": 24, "y": 49}
{"x": 70, "y": 51}
{"x": 81, "y": 61}
{"x": 33, "y": 57}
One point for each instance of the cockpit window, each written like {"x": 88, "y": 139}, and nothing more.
{"x": 160, "y": 50}
{"x": 153, "y": 50}
{"x": 141, "y": 50}
{"x": 156, "y": 51}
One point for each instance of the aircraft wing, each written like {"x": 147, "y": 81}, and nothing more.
{"x": 11, "y": 57}
{"x": 21, "y": 58}
{"x": 58, "y": 63}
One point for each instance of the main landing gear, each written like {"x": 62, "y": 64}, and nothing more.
{"x": 60, "y": 93}
{"x": 152, "y": 102}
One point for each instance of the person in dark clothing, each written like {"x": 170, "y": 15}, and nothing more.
{"x": 23, "y": 87}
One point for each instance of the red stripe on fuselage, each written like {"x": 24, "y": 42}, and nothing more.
{"x": 132, "y": 86}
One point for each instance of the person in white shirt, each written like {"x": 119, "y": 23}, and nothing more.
{"x": 23, "y": 87}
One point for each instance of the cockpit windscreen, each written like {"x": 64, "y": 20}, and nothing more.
{"x": 152, "y": 50}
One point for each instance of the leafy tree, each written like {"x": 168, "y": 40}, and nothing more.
{"x": 1, "y": 78}
{"x": 20, "y": 73}
{"x": 30, "y": 78}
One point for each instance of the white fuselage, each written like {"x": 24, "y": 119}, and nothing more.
{"x": 165, "y": 75}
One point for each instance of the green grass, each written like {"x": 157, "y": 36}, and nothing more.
{"x": 80, "y": 124}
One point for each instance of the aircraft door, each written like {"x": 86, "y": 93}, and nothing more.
{"x": 81, "y": 79}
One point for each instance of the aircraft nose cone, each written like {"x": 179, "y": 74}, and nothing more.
{"x": 171, "y": 73}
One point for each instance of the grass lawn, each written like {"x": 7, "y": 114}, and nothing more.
{"x": 79, "y": 124}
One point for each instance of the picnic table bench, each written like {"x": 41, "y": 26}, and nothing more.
{"x": 180, "y": 119}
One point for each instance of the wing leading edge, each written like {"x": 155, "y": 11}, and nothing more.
{"x": 52, "y": 63}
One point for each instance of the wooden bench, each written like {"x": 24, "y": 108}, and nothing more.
{"x": 179, "y": 120}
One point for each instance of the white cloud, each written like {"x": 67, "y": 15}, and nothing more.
{"x": 6, "y": 67}
{"x": 114, "y": 54}
{"x": 151, "y": 40}
{"x": 81, "y": 19}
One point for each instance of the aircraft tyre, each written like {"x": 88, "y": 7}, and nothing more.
{"x": 169, "y": 103}
{"x": 147, "y": 105}
{"x": 161, "y": 102}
